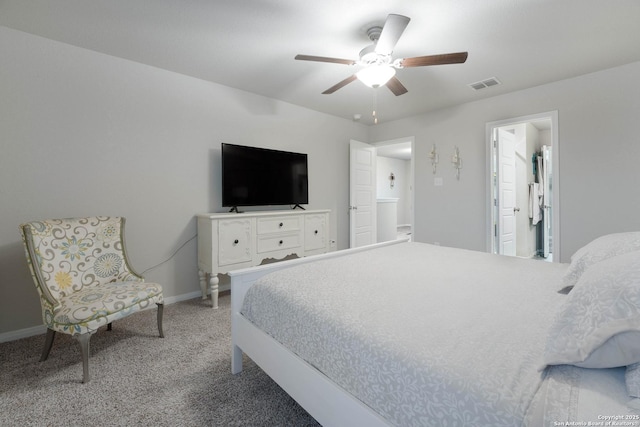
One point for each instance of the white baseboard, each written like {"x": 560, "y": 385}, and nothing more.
{"x": 183, "y": 297}
{"x": 41, "y": 329}
{"x": 22, "y": 333}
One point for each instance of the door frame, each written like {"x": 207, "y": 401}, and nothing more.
{"x": 555, "y": 180}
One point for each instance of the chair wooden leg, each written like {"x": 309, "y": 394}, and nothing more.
{"x": 48, "y": 343}
{"x": 160, "y": 310}
{"x": 83, "y": 339}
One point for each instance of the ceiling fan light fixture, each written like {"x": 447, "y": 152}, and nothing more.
{"x": 379, "y": 68}
{"x": 376, "y": 75}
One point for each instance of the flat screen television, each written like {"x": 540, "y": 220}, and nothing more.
{"x": 254, "y": 176}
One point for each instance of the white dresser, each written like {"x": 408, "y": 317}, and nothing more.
{"x": 232, "y": 241}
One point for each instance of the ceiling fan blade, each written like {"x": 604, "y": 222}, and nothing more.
{"x": 339, "y": 85}
{"x": 396, "y": 87}
{"x": 393, "y": 28}
{"x": 447, "y": 58}
{"x": 325, "y": 59}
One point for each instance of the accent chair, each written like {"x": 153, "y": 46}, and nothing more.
{"x": 83, "y": 276}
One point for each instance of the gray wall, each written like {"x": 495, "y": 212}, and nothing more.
{"x": 599, "y": 148}
{"x": 82, "y": 133}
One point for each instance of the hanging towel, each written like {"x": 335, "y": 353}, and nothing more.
{"x": 540, "y": 177}
{"x": 546, "y": 198}
{"x": 534, "y": 203}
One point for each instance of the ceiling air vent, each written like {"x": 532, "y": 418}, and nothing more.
{"x": 485, "y": 83}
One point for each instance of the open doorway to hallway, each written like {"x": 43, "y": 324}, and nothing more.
{"x": 522, "y": 189}
{"x": 394, "y": 189}
{"x": 381, "y": 191}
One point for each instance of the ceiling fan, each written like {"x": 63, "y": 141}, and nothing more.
{"x": 379, "y": 68}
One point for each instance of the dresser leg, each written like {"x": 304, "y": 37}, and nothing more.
{"x": 213, "y": 282}
{"x": 203, "y": 283}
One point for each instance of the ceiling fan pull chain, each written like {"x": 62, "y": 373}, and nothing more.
{"x": 375, "y": 106}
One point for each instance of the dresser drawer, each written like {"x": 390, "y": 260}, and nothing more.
{"x": 234, "y": 241}
{"x": 279, "y": 224}
{"x": 279, "y": 242}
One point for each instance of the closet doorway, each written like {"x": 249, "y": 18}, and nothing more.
{"x": 522, "y": 200}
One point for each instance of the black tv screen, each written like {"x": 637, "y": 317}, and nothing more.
{"x": 254, "y": 176}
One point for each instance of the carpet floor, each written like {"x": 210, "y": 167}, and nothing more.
{"x": 138, "y": 378}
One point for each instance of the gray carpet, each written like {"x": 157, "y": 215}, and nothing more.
{"x": 138, "y": 378}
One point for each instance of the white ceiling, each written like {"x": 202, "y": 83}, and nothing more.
{"x": 250, "y": 44}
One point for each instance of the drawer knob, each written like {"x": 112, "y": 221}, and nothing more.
{"x": 281, "y": 224}
{"x": 315, "y": 232}
{"x": 235, "y": 242}
{"x": 281, "y": 242}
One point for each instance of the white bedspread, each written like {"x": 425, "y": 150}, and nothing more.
{"x": 424, "y": 335}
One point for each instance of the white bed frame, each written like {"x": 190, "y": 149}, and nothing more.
{"x": 326, "y": 401}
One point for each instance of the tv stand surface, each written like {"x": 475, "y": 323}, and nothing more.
{"x": 230, "y": 241}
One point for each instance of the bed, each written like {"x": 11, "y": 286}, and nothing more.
{"x": 406, "y": 333}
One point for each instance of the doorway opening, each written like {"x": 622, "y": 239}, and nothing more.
{"x": 522, "y": 200}
{"x": 394, "y": 189}
{"x": 381, "y": 191}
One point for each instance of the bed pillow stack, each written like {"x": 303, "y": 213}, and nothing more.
{"x": 600, "y": 249}
{"x": 599, "y": 324}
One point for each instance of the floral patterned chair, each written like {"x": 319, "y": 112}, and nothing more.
{"x": 84, "y": 278}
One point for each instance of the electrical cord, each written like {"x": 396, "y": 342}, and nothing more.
{"x": 171, "y": 257}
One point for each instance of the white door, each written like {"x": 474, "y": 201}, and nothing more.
{"x": 362, "y": 194}
{"x": 506, "y": 193}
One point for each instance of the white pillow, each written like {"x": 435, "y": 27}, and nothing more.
{"x": 599, "y": 324}
{"x": 632, "y": 379}
{"x": 600, "y": 249}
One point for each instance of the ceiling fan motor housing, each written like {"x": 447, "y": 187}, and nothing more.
{"x": 369, "y": 56}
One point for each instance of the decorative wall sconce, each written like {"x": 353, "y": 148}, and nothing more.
{"x": 433, "y": 155}
{"x": 392, "y": 180}
{"x": 457, "y": 161}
